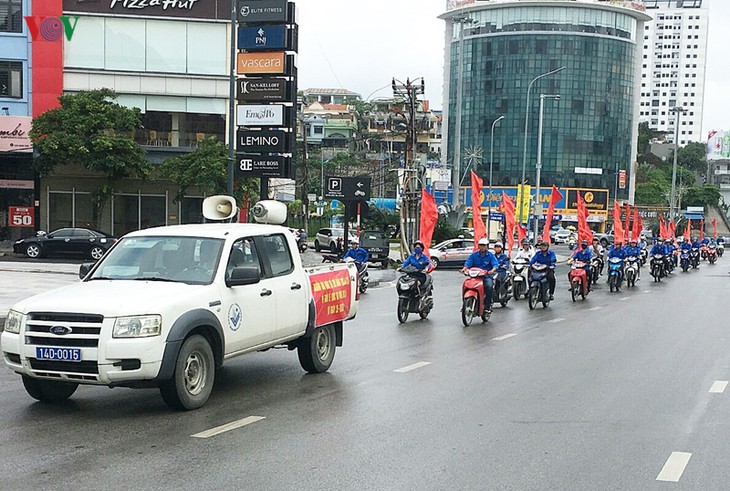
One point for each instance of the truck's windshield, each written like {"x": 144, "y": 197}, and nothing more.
{"x": 191, "y": 260}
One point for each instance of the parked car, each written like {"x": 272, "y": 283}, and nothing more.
{"x": 375, "y": 242}
{"x": 605, "y": 239}
{"x": 65, "y": 242}
{"x": 562, "y": 236}
{"x": 452, "y": 252}
{"x": 326, "y": 238}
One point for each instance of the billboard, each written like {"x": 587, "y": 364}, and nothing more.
{"x": 252, "y": 11}
{"x": 261, "y": 165}
{"x": 196, "y": 9}
{"x": 264, "y": 89}
{"x": 718, "y": 145}
{"x": 264, "y": 38}
{"x": 260, "y": 115}
{"x": 269, "y": 63}
{"x": 14, "y": 134}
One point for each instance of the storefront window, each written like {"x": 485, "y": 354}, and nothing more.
{"x": 11, "y": 79}
{"x": 191, "y": 210}
{"x": 11, "y": 16}
{"x": 60, "y": 211}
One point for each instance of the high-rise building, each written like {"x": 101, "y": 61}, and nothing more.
{"x": 673, "y": 67}
{"x": 590, "y": 134}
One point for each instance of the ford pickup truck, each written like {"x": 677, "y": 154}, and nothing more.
{"x": 166, "y": 307}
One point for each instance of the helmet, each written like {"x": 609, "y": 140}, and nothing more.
{"x": 542, "y": 243}
{"x": 419, "y": 243}
{"x": 667, "y": 241}
{"x": 354, "y": 240}
{"x": 632, "y": 240}
{"x": 498, "y": 244}
{"x": 483, "y": 241}
{"x": 525, "y": 241}
{"x": 585, "y": 242}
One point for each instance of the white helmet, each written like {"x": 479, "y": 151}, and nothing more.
{"x": 354, "y": 240}
{"x": 498, "y": 244}
{"x": 484, "y": 241}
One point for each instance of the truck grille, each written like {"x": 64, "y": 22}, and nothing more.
{"x": 64, "y": 366}
{"x": 85, "y": 330}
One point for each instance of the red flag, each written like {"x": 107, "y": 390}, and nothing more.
{"x": 508, "y": 206}
{"x": 714, "y": 228}
{"x": 627, "y": 223}
{"x": 584, "y": 231}
{"x": 555, "y": 198}
{"x": 672, "y": 231}
{"x": 480, "y": 230}
{"x": 618, "y": 228}
{"x": 688, "y": 229}
{"x": 702, "y": 229}
{"x": 521, "y": 232}
{"x": 636, "y": 231}
{"x": 429, "y": 217}
{"x": 662, "y": 227}
{"x": 641, "y": 227}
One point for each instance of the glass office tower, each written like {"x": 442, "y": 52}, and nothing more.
{"x": 591, "y": 132}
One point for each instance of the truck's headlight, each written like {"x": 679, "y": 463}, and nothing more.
{"x": 137, "y": 327}
{"x": 13, "y": 321}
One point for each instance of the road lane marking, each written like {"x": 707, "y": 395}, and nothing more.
{"x": 718, "y": 387}
{"x": 647, "y": 291}
{"x": 674, "y": 467}
{"x": 228, "y": 427}
{"x": 506, "y": 336}
{"x": 624, "y": 298}
{"x": 413, "y": 367}
{"x": 595, "y": 308}
{"x": 555, "y": 321}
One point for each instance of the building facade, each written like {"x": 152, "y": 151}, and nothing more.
{"x": 590, "y": 133}
{"x": 673, "y": 67}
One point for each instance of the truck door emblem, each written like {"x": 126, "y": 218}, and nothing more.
{"x": 60, "y": 330}
{"x": 234, "y": 317}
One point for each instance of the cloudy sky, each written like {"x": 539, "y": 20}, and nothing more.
{"x": 361, "y": 45}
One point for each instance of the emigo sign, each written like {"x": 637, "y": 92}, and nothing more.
{"x": 51, "y": 28}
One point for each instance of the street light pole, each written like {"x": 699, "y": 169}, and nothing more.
{"x": 673, "y": 195}
{"x": 456, "y": 175}
{"x": 527, "y": 119}
{"x": 538, "y": 206}
{"x": 491, "y": 162}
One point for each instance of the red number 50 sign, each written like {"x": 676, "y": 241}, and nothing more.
{"x": 21, "y": 216}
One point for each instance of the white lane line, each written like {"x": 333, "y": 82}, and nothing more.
{"x": 647, "y": 291}
{"x": 595, "y": 308}
{"x": 555, "y": 321}
{"x": 674, "y": 467}
{"x": 506, "y": 336}
{"x": 624, "y": 298}
{"x": 413, "y": 367}
{"x": 228, "y": 427}
{"x": 718, "y": 387}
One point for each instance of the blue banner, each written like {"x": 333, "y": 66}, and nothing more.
{"x": 262, "y": 37}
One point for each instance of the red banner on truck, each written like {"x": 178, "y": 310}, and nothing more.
{"x": 332, "y": 293}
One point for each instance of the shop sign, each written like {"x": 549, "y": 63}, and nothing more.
{"x": 252, "y": 11}
{"x": 11, "y": 184}
{"x": 264, "y": 89}
{"x": 191, "y": 9}
{"x": 261, "y": 165}
{"x": 262, "y": 63}
{"x": 264, "y": 141}
{"x": 263, "y": 37}
{"x": 622, "y": 179}
{"x": 260, "y": 115}
{"x": 21, "y": 216}
{"x": 51, "y": 28}
{"x": 14, "y": 134}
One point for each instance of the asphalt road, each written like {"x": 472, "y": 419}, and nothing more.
{"x": 610, "y": 393}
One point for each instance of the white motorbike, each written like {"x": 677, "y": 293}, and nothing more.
{"x": 520, "y": 277}
{"x": 632, "y": 270}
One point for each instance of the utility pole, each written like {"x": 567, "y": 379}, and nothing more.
{"x": 673, "y": 196}
{"x": 305, "y": 179}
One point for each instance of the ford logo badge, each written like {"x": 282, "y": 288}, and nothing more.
{"x": 60, "y": 330}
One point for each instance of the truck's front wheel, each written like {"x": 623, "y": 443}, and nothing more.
{"x": 193, "y": 378}
{"x": 317, "y": 351}
{"x": 48, "y": 390}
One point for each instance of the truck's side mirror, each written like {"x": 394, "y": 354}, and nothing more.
{"x": 84, "y": 269}
{"x": 245, "y": 275}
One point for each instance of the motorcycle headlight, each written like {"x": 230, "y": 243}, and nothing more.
{"x": 13, "y": 322}
{"x": 137, "y": 327}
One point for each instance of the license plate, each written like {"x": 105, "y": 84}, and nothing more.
{"x": 58, "y": 354}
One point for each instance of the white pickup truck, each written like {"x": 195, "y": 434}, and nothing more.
{"x": 167, "y": 306}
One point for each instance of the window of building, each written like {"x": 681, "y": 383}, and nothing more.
{"x": 577, "y": 106}
{"x": 11, "y": 79}
{"x": 541, "y": 46}
{"x": 11, "y": 16}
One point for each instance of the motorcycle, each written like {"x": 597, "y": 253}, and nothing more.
{"x": 502, "y": 287}
{"x": 363, "y": 277}
{"x": 703, "y": 251}
{"x": 539, "y": 290}
{"x": 578, "y": 280}
{"x": 572, "y": 243}
{"x": 644, "y": 256}
{"x": 657, "y": 267}
{"x": 302, "y": 245}
{"x": 615, "y": 273}
{"x": 596, "y": 268}
{"x": 712, "y": 253}
{"x": 520, "y": 277}
{"x": 684, "y": 260}
{"x": 694, "y": 257}
{"x": 413, "y": 297}
{"x": 720, "y": 249}
{"x": 632, "y": 270}
{"x": 472, "y": 294}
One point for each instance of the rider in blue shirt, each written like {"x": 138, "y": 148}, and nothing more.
{"x": 356, "y": 252}
{"x": 686, "y": 245}
{"x": 632, "y": 248}
{"x": 547, "y": 257}
{"x": 617, "y": 250}
{"x": 419, "y": 261}
{"x": 503, "y": 260}
{"x": 658, "y": 248}
{"x": 484, "y": 259}
{"x": 584, "y": 255}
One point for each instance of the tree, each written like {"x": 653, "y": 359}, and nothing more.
{"x": 707, "y": 195}
{"x": 206, "y": 169}
{"x": 650, "y": 193}
{"x": 693, "y": 156}
{"x": 92, "y": 131}
{"x": 646, "y": 135}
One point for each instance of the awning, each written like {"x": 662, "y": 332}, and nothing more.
{"x": 694, "y": 216}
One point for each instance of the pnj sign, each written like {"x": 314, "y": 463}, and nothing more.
{"x": 262, "y": 37}
{"x": 260, "y": 115}
{"x": 51, "y": 28}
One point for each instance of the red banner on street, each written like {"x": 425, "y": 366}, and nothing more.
{"x": 332, "y": 295}
{"x": 21, "y": 216}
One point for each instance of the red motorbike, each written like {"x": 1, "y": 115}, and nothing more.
{"x": 472, "y": 294}
{"x": 712, "y": 254}
{"x": 704, "y": 251}
{"x": 578, "y": 280}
